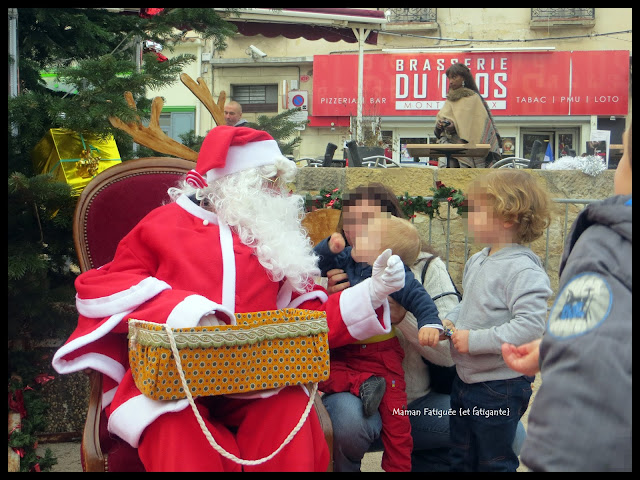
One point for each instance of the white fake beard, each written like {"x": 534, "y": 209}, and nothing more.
{"x": 268, "y": 220}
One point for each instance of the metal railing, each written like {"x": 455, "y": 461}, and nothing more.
{"x": 566, "y": 201}
{"x": 563, "y": 13}
{"x": 411, "y": 15}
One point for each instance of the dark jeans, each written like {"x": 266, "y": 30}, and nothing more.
{"x": 485, "y": 421}
{"x": 354, "y": 434}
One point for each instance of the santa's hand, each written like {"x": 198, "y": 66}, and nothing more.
{"x": 211, "y": 320}
{"x": 387, "y": 277}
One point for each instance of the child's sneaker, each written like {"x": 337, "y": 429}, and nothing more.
{"x": 371, "y": 392}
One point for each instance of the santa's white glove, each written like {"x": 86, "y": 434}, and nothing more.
{"x": 387, "y": 277}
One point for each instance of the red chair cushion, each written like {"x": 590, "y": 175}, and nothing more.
{"x": 119, "y": 207}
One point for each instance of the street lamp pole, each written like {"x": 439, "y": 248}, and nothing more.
{"x": 361, "y": 34}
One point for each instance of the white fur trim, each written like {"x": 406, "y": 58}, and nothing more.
{"x": 358, "y": 313}
{"x": 270, "y": 392}
{"x": 284, "y": 295}
{"x": 127, "y": 299}
{"x": 130, "y": 419}
{"x": 107, "y": 397}
{"x": 433, "y": 325}
{"x": 96, "y": 361}
{"x": 308, "y": 296}
{"x": 228, "y": 268}
{"x": 188, "y": 313}
{"x": 196, "y": 210}
{"x": 243, "y": 157}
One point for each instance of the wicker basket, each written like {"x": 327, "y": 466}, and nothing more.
{"x": 264, "y": 350}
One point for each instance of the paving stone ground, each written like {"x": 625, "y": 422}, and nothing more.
{"x": 68, "y": 454}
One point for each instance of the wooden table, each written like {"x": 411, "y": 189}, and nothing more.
{"x": 448, "y": 150}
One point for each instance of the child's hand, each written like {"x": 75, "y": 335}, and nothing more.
{"x": 336, "y": 242}
{"x": 448, "y": 325}
{"x": 524, "y": 359}
{"x": 460, "y": 339}
{"x": 428, "y": 337}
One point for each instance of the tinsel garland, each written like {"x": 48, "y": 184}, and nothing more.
{"x": 591, "y": 165}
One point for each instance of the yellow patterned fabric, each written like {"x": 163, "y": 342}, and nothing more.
{"x": 264, "y": 350}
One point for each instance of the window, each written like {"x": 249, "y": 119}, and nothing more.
{"x": 422, "y": 15}
{"x": 176, "y": 123}
{"x": 256, "y": 98}
{"x": 562, "y": 17}
{"x": 410, "y": 19}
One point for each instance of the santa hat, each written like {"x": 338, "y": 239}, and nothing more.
{"x": 228, "y": 150}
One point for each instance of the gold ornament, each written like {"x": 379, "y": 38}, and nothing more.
{"x": 88, "y": 164}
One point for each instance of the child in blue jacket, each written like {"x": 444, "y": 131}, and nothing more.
{"x": 372, "y": 369}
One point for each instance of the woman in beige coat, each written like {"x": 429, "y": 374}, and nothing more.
{"x": 466, "y": 118}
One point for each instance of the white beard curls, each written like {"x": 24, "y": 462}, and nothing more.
{"x": 266, "y": 218}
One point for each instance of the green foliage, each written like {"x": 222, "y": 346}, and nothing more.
{"x": 441, "y": 193}
{"x": 191, "y": 140}
{"x": 40, "y": 249}
{"x": 282, "y": 128}
{"x": 24, "y": 397}
{"x": 329, "y": 199}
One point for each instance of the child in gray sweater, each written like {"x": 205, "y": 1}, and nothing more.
{"x": 505, "y": 295}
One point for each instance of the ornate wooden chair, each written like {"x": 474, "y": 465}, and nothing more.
{"x": 108, "y": 208}
{"x": 321, "y": 223}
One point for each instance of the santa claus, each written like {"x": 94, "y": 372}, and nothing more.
{"x": 230, "y": 241}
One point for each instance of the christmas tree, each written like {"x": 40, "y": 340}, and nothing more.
{"x": 97, "y": 54}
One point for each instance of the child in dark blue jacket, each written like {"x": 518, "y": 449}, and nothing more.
{"x": 372, "y": 369}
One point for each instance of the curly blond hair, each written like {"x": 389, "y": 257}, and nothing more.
{"x": 516, "y": 197}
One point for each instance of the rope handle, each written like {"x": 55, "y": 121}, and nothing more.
{"x": 205, "y": 430}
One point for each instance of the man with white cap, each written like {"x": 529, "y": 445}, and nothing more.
{"x": 230, "y": 242}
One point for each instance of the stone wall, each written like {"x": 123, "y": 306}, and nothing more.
{"x": 562, "y": 184}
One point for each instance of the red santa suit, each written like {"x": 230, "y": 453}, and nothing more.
{"x": 176, "y": 266}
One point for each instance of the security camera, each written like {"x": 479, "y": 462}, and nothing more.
{"x": 256, "y": 51}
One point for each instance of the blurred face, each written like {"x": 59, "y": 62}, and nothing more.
{"x": 455, "y": 81}
{"x": 356, "y": 217}
{"x": 232, "y": 114}
{"x": 355, "y": 222}
{"x": 484, "y": 225}
{"x": 622, "y": 177}
{"x": 369, "y": 242}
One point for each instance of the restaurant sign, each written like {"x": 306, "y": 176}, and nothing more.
{"x": 512, "y": 83}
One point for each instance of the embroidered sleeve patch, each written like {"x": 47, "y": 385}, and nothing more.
{"x": 582, "y": 305}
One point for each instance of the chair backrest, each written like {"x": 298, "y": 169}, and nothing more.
{"x": 321, "y": 223}
{"x": 537, "y": 154}
{"x": 116, "y": 200}
{"x": 355, "y": 160}
{"x": 328, "y": 154}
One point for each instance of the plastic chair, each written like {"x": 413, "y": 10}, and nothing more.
{"x": 512, "y": 162}
{"x": 328, "y": 154}
{"x": 309, "y": 162}
{"x": 517, "y": 162}
{"x": 108, "y": 208}
{"x": 379, "y": 161}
